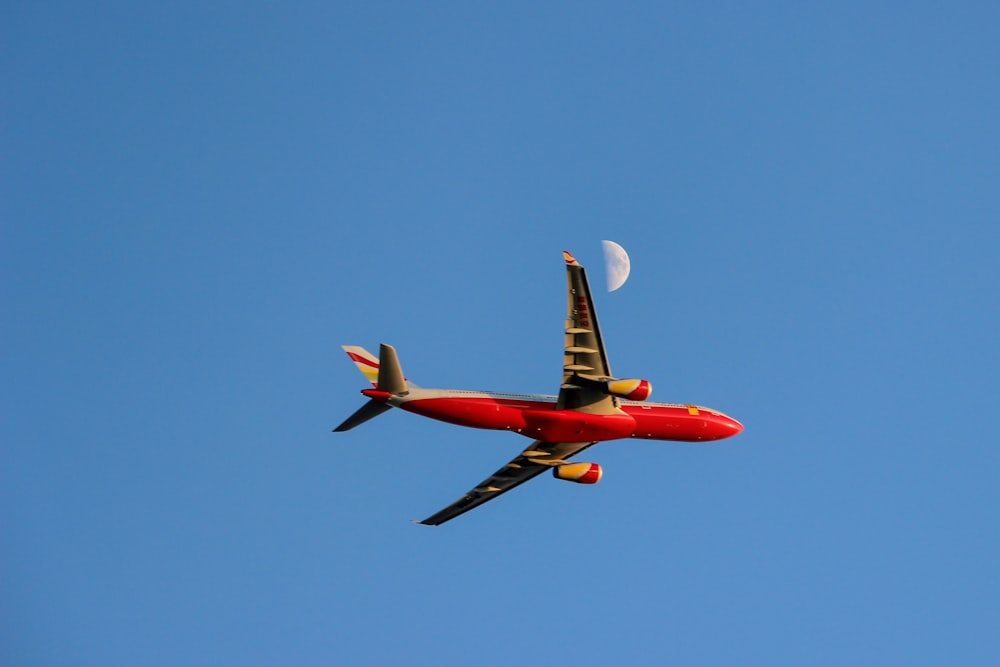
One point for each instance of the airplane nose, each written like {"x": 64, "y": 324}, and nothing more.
{"x": 730, "y": 426}
{"x": 735, "y": 425}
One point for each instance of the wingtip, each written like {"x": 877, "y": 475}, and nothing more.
{"x": 569, "y": 258}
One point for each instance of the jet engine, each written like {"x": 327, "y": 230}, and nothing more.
{"x": 633, "y": 390}
{"x": 581, "y": 473}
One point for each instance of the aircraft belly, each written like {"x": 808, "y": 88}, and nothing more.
{"x": 574, "y": 426}
{"x": 475, "y": 412}
{"x": 681, "y": 423}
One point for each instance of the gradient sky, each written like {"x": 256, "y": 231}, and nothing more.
{"x": 200, "y": 204}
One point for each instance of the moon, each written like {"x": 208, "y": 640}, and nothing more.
{"x": 616, "y": 263}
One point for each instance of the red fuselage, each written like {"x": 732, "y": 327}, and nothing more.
{"x": 536, "y": 417}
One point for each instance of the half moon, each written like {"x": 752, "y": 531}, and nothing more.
{"x": 616, "y": 263}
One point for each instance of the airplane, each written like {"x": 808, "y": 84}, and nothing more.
{"x": 592, "y": 406}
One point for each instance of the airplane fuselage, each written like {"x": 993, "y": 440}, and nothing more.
{"x": 535, "y": 416}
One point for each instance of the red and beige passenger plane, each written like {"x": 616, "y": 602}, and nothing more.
{"x": 592, "y": 406}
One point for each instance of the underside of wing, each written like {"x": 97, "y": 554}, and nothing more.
{"x": 536, "y": 459}
{"x": 585, "y": 361}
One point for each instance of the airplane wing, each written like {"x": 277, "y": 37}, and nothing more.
{"x": 585, "y": 366}
{"x": 536, "y": 459}
{"x": 585, "y": 362}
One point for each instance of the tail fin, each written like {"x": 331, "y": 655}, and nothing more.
{"x": 384, "y": 373}
{"x": 364, "y": 360}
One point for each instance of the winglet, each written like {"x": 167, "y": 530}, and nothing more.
{"x": 570, "y": 259}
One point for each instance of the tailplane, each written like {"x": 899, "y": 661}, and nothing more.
{"x": 369, "y": 410}
{"x": 384, "y": 373}
{"x": 390, "y": 375}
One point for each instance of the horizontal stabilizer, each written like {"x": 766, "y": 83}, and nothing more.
{"x": 390, "y": 375}
{"x": 367, "y": 411}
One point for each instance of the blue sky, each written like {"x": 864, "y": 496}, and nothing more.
{"x": 201, "y": 204}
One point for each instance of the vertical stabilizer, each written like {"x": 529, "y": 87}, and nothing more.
{"x": 364, "y": 360}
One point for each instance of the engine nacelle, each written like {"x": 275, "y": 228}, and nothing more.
{"x": 581, "y": 473}
{"x": 633, "y": 390}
